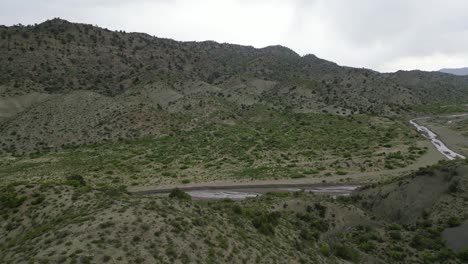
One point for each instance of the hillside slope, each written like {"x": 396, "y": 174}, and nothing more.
{"x": 72, "y": 222}
{"x": 64, "y": 83}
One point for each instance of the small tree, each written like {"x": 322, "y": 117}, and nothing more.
{"x": 463, "y": 255}
{"x": 179, "y": 194}
{"x": 75, "y": 180}
{"x": 454, "y": 221}
{"x": 9, "y": 199}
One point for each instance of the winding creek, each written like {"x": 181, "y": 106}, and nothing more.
{"x": 440, "y": 146}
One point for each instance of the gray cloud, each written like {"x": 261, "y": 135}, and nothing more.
{"x": 379, "y": 34}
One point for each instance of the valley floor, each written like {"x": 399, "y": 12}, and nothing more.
{"x": 431, "y": 157}
{"x": 315, "y": 148}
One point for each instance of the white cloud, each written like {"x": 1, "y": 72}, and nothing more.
{"x": 378, "y": 34}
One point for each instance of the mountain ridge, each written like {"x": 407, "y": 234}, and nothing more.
{"x": 201, "y": 81}
{"x": 456, "y": 71}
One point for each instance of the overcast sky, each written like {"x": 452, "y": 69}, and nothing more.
{"x": 384, "y": 35}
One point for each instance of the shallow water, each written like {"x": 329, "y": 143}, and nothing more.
{"x": 440, "y": 146}
{"x": 343, "y": 190}
{"x": 210, "y": 194}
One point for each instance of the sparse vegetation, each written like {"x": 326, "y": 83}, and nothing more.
{"x": 270, "y": 147}
{"x": 136, "y": 228}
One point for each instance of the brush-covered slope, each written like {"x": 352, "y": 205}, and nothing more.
{"x": 58, "y": 56}
{"x": 431, "y": 194}
{"x": 432, "y": 203}
{"x": 72, "y": 222}
{"x": 47, "y": 67}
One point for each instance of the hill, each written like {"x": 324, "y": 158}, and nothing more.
{"x": 456, "y": 71}
{"x": 65, "y": 84}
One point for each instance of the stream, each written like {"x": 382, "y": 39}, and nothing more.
{"x": 245, "y": 192}
{"x": 440, "y": 146}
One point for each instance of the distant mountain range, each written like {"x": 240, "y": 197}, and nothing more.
{"x": 456, "y": 71}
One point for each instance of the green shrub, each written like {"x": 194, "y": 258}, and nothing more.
{"x": 366, "y": 233}
{"x": 444, "y": 254}
{"x": 454, "y": 187}
{"x": 347, "y": 253}
{"x": 236, "y": 209}
{"x": 9, "y": 199}
{"x": 463, "y": 255}
{"x": 277, "y": 194}
{"x": 325, "y": 249}
{"x": 395, "y": 235}
{"x": 395, "y": 227}
{"x": 308, "y": 235}
{"x": 313, "y": 221}
{"x": 168, "y": 174}
{"x": 106, "y": 258}
{"x": 106, "y": 225}
{"x": 368, "y": 246}
{"x": 423, "y": 240}
{"x": 38, "y": 199}
{"x": 311, "y": 172}
{"x": 265, "y": 222}
{"x": 428, "y": 257}
{"x": 75, "y": 180}
{"x": 179, "y": 194}
{"x": 296, "y": 176}
{"x": 322, "y": 210}
{"x": 454, "y": 221}
{"x": 396, "y": 255}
